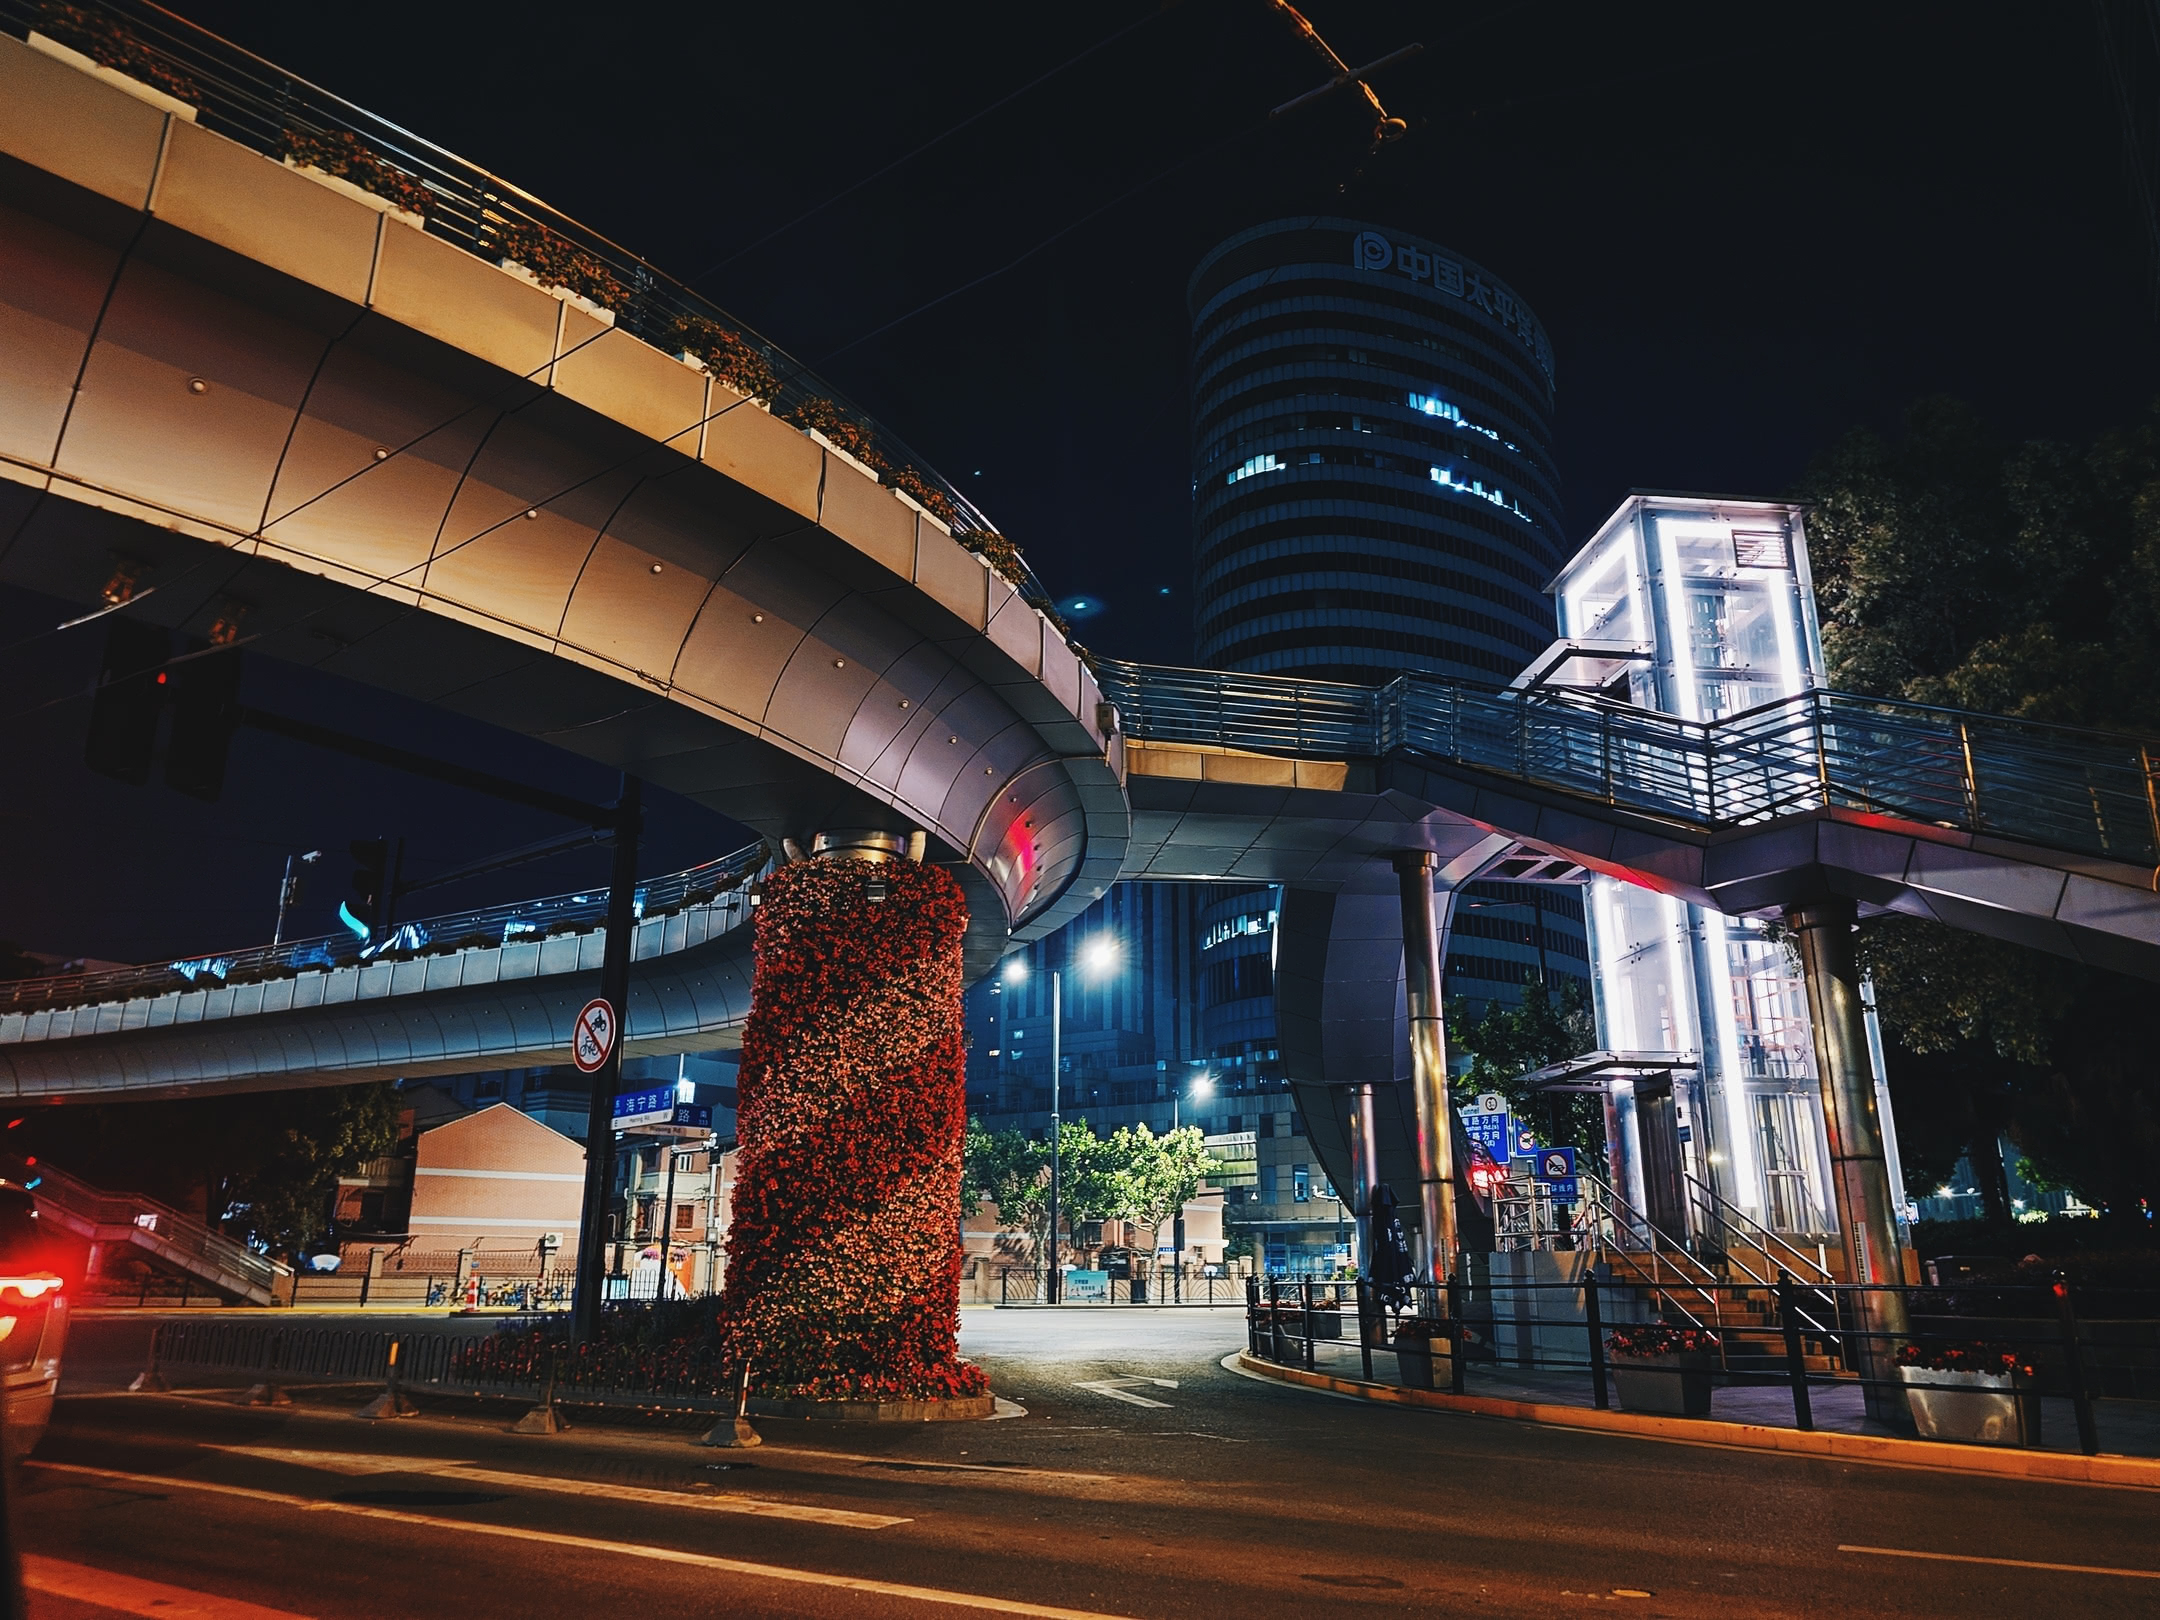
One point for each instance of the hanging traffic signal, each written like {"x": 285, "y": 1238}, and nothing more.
{"x": 368, "y": 910}
{"x": 131, "y": 690}
{"x": 206, "y": 711}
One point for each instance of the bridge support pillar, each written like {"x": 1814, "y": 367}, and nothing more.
{"x": 843, "y": 1260}
{"x": 1428, "y": 1064}
{"x": 1364, "y": 1149}
{"x": 1859, "y": 1168}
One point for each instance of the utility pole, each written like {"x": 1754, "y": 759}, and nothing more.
{"x": 1057, "y": 1086}
{"x": 600, "y": 1114}
{"x": 289, "y": 891}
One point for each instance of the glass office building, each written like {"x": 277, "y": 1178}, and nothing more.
{"x": 1373, "y": 479}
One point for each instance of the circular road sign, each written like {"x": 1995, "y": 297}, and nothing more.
{"x": 594, "y": 1037}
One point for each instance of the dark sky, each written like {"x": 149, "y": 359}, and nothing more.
{"x": 1747, "y": 229}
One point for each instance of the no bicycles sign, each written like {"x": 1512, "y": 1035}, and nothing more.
{"x": 594, "y": 1037}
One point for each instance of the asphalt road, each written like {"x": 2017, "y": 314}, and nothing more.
{"x": 1145, "y": 1480}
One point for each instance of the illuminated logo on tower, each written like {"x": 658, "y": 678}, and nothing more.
{"x": 1369, "y": 250}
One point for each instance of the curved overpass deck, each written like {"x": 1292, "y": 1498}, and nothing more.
{"x": 256, "y": 400}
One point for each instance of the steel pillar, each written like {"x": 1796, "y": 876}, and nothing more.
{"x": 600, "y": 1111}
{"x": 1364, "y": 1149}
{"x": 1859, "y": 1169}
{"x": 1428, "y": 1064}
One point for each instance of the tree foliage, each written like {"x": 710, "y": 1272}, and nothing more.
{"x": 1130, "y": 1175}
{"x": 2019, "y": 580}
{"x": 1508, "y": 1042}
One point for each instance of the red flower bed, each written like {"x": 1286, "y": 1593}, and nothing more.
{"x": 843, "y": 1258}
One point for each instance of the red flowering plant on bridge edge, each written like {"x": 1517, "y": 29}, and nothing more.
{"x": 843, "y": 1259}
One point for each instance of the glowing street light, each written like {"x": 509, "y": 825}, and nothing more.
{"x": 1203, "y": 1085}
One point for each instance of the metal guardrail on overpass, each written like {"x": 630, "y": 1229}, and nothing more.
{"x": 716, "y": 882}
{"x": 2078, "y": 791}
{"x": 247, "y": 99}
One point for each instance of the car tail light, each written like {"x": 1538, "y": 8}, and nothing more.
{"x": 25, "y": 1302}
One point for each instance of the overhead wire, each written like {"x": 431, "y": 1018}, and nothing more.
{"x": 936, "y": 140}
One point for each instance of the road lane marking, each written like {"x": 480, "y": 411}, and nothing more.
{"x": 343, "y": 1462}
{"x": 929, "y": 1465}
{"x": 130, "y": 1594}
{"x": 625, "y": 1549}
{"x": 758, "y": 1506}
{"x": 2006, "y": 1563}
{"x": 1116, "y": 1390}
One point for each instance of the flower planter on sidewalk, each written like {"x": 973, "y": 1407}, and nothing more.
{"x": 1978, "y": 1408}
{"x": 1676, "y": 1385}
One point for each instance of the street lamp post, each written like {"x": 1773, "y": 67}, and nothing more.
{"x": 1097, "y": 956}
{"x": 1201, "y": 1087}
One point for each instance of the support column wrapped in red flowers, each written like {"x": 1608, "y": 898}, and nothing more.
{"x": 843, "y": 1258}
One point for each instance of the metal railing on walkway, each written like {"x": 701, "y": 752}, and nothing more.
{"x": 158, "y": 1229}
{"x": 2090, "y": 792}
{"x": 1790, "y": 1355}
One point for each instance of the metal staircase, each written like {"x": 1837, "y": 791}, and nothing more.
{"x": 1727, "y": 1282}
{"x": 162, "y": 1234}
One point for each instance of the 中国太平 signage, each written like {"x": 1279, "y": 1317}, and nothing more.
{"x": 1370, "y": 250}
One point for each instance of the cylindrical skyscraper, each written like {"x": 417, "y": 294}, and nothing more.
{"x": 1373, "y": 477}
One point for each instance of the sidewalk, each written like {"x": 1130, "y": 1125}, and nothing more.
{"x": 1757, "y": 1416}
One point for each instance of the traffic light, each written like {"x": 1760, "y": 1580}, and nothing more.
{"x": 369, "y": 909}
{"x": 131, "y": 689}
{"x": 206, "y": 710}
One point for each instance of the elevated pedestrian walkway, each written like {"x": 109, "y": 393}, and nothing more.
{"x": 161, "y": 1234}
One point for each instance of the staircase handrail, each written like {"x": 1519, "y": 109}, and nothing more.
{"x": 1627, "y": 1222}
{"x": 1751, "y": 1233}
{"x": 173, "y": 1228}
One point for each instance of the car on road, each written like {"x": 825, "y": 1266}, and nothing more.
{"x": 33, "y": 1318}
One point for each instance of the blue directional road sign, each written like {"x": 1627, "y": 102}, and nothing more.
{"x": 1489, "y": 1129}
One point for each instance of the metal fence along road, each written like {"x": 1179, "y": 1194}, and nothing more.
{"x": 1791, "y": 1355}
{"x": 1017, "y": 1285}
{"x": 2087, "y": 792}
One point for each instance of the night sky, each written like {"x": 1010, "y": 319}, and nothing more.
{"x": 1747, "y": 230}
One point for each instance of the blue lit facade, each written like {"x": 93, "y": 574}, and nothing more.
{"x": 1374, "y": 486}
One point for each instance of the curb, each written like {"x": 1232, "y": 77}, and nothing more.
{"x": 2140, "y": 1473}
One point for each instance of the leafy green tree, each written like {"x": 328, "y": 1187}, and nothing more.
{"x": 1013, "y": 1172}
{"x": 1162, "y": 1173}
{"x": 262, "y": 1167}
{"x": 2018, "y": 580}
{"x": 1510, "y": 1042}
{"x": 1131, "y": 1175}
